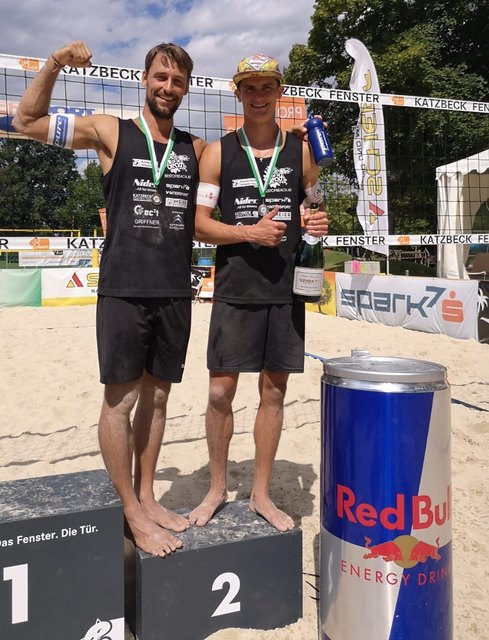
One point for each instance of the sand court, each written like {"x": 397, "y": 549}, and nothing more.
{"x": 51, "y": 399}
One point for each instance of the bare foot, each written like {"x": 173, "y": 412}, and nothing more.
{"x": 272, "y": 514}
{"x": 207, "y": 508}
{"x": 151, "y": 538}
{"x": 163, "y": 517}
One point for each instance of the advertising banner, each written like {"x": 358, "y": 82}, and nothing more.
{"x": 70, "y": 258}
{"x": 434, "y": 305}
{"x": 127, "y": 74}
{"x": 327, "y": 304}
{"x": 20, "y": 288}
{"x": 369, "y": 147}
{"x": 69, "y": 286}
{"x": 483, "y": 310}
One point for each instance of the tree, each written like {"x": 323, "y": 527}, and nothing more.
{"x": 85, "y": 198}
{"x": 34, "y": 183}
{"x": 438, "y": 49}
{"x": 340, "y": 204}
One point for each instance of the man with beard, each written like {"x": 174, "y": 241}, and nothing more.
{"x": 144, "y": 293}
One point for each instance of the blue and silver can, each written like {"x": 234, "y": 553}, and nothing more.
{"x": 385, "y": 546}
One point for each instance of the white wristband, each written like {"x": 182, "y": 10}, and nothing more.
{"x": 208, "y": 194}
{"x": 61, "y": 130}
{"x": 313, "y": 194}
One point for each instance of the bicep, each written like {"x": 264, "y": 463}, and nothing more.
{"x": 199, "y": 145}
{"x": 210, "y": 164}
{"x": 96, "y": 132}
{"x": 68, "y": 131}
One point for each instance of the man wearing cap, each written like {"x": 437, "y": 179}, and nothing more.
{"x": 259, "y": 176}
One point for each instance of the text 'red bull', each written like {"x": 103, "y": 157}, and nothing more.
{"x": 424, "y": 512}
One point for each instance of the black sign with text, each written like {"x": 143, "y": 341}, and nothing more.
{"x": 61, "y": 558}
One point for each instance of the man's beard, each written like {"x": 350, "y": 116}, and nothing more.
{"x": 165, "y": 113}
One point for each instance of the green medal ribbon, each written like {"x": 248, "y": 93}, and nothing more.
{"x": 262, "y": 188}
{"x": 157, "y": 172}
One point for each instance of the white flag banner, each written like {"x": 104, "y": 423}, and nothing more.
{"x": 369, "y": 146}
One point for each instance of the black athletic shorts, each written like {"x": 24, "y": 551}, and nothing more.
{"x": 252, "y": 337}
{"x": 137, "y": 334}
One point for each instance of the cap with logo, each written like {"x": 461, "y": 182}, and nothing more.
{"x": 257, "y": 65}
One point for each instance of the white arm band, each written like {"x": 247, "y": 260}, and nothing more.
{"x": 208, "y": 194}
{"x": 313, "y": 194}
{"x": 61, "y": 130}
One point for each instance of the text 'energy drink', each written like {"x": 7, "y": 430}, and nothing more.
{"x": 386, "y": 520}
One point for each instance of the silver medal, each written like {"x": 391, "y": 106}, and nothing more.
{"x": 262, "y": 210}
{"x": 156, "y": 198}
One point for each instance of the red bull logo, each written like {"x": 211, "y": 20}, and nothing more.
{"x": 424, "y": 512}
{"x": 388, "y": 551}
{"x": 405, "y": 551}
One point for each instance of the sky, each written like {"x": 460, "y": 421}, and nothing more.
{"x": 216, "y": 33}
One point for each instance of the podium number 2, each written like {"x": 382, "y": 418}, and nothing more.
{"x": 227, "y": 605}
{"x": 19, "y": 577}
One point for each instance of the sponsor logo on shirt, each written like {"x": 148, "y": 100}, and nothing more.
{"x": 177, "y": 223}
{"x": 176, "y": 163}
{"x": 176, "y": 202}
{"x": 245, "y": 201}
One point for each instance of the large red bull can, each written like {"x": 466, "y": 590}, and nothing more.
{"x": 385, "y": 546}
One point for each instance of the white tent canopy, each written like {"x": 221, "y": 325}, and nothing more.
{"x": 462, "y": 187}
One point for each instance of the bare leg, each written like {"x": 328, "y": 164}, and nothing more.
{"x": 115, "y": 438}
{"x": 268, "y": 428}
{"x": 148, "y": 427}
{"x": 219, "y": 428}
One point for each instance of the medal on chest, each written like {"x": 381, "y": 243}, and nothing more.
{"x": 261, "y": 185}
{"x": 262, "y": 210}
{"x": 156, "y": 198}
{"x": 157, "y": 171}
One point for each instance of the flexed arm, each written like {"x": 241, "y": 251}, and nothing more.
{"x": 32, "y": 118}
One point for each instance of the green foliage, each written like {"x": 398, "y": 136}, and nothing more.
{"x": 340, "y": 205}
{"x": 481, "y": 218}
{"x": 434, "y": 49}
{"x": 334, "y": 259}
{"x": 40, "y": 187}
{"x": 34, "y": 183}
{"x": 85, "y": 198}
{"x": 400, "y": 267}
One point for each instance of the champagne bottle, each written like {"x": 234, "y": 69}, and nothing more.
{"x": 309, "y": 267}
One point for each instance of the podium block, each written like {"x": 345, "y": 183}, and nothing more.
{"x": 61, "y": 558}
{"x": 237, "y": 571}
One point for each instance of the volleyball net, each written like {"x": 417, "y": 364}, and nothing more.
{"x": 434, "y": 194}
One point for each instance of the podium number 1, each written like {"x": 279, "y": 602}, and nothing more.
{"x": 227, "y": 605}
{"x": 19, "y": 577}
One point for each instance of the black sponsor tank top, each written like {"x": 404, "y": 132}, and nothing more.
{"x": 148, "y": 248}
{"x": 248, "y": 274}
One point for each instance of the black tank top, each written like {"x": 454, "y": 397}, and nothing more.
{"x": 247, "y": 274}
{"x": 148, "y": 248}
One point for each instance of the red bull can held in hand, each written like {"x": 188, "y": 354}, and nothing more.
{"x": 386, "y": 519}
